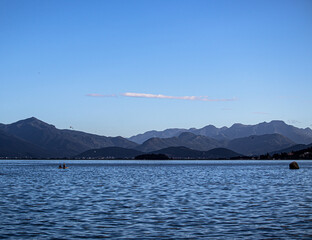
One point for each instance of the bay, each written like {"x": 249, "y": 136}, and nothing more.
{"x": 155, "y": 199}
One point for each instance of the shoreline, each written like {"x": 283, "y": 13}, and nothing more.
{"x": 132, "y": 159}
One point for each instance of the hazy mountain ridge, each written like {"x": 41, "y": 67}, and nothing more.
{"x": 298, "y": 135}
{"x": 168, "y": 133}
{"x": 252, "y": 145}
{"x": 185, "y": 139}
{"x": 256, "y": 145}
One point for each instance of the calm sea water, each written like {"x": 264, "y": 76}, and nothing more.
{"x": 155, "y": 199}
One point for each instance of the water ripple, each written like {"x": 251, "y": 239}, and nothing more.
{"x": 139, "y": 200}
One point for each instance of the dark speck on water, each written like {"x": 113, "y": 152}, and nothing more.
{"x": 155, "y": 200}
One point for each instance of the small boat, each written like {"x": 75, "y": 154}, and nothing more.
{"x": 62, "y": 167}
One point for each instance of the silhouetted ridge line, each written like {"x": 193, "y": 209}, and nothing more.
{"x": 56, "y": 142}
{"x": 297, "y": 135}
{"x": 34, "y": 138}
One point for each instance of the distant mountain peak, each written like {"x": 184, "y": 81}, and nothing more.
{"x": 280, "y": 122}
{"x": 34, "y": 122}
{"x": 28, "y": 120}
{"x": 31, "y": 119}
{"x": 237, "y": 125}
{"x": 56, "y": 142}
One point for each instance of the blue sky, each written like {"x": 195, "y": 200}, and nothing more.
{"x": 125, "y": 67}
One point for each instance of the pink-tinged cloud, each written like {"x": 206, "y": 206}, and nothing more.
{"x": 160, "y": 96}
{"x": 192, "y": 98}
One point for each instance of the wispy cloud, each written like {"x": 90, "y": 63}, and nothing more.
{"x": 161, "y": 96}
{"x": 192, "y": 98}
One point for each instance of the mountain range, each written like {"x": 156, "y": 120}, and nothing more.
{"x": 34, "y": 138}
{"x": 54, "y": 142}
{"x": 252, "y": 145}
{"x": 298, "y": 135}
